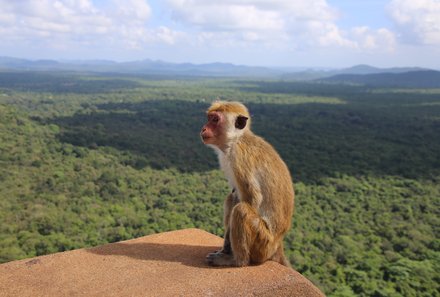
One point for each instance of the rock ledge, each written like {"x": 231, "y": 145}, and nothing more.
{"x": 164, "y": 264}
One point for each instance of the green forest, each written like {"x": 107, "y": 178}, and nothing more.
{"x": 87, "y": 159}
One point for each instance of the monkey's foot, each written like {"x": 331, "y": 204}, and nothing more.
{"x": 224, "y": 250}
{"x": 220, "y": 259}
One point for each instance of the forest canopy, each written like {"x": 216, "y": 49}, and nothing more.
{"x": 87, "y": 159}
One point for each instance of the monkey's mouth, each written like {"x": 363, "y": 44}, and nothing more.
{"x": 205, "y": 138}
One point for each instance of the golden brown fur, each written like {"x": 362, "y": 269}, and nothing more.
{"x": 229, "y": 107}
{"x": 258, "y": 212}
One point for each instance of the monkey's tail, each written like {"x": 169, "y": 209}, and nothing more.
{"x": 280, "y": 257}
{"x": 285, "y": 262}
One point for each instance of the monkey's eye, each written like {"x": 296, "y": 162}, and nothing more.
{"x": 213, "y": 119}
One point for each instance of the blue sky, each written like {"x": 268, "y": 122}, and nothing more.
{"x": 294, "y": 33}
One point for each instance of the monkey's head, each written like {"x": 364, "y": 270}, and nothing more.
{"x": 226, "y": 122}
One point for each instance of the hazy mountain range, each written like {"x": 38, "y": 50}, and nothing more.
{"x": 410, "y": 79}
{"x": 140, "y": 67}
{"x": 359, "y": 74}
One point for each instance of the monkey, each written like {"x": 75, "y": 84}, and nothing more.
{"x": 258, "y": 211}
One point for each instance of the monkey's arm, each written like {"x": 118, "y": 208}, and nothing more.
{"x": 248, "y": 172}
{"x": 252, "y": 194}
{"x": 250, "y": 191}
{"x": 230, "y": 201}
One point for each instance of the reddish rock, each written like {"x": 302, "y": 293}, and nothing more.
{"x": 165, "y": 264}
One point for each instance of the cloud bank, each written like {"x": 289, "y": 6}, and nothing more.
{"x": 294, "y": 24}
{"x": 78, "y": 23}
{"x": 95, "y": 27}
{"x": 417, "y": 21}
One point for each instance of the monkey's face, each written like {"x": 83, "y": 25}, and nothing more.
{"x": 213, "y": 131}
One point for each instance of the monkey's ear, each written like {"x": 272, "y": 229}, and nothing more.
{"x": 240, "y": 122}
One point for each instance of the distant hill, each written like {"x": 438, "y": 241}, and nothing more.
{"x": 314, "y": 74}
{"x": 412, "y": 79}
{"x": 140, "y": 67}
{"x": 15, "y": 63}
{"x": 162, "y": 68}
{"x": 366, "y": 69}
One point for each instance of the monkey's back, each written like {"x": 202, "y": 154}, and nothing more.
{"x": 257, "y": 157}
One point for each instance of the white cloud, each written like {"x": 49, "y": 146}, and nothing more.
{"x": 225, "y": 16}
{"x": 288, "y": 24}
{"x": 135, "y": 10}
{"x": 417, "y": 21}
{"x": 79, "y": 24}
{"x": 245, "y": 20}
{"x": 368, "y": 39}
{"x": 324, "y": 34}
{"x": 168, "y": 36}
{"x": 51, "y": 18}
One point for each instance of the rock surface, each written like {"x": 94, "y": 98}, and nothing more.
{"x": 165, "y": 264}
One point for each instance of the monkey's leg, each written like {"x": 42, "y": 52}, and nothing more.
{"x": 220, "y": 259}
{"x": 280, "y": 257}
{"x": 251, "y": 239}
{"x": 229, "y": 204}
{"x": 230, "y": 201}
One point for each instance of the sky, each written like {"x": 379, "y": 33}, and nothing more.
{"x": 281, "y": 33}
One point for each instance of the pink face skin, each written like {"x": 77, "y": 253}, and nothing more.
{"x": 212, "y": 130}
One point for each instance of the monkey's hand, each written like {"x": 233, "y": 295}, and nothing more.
{"x": 220, "y": 259}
